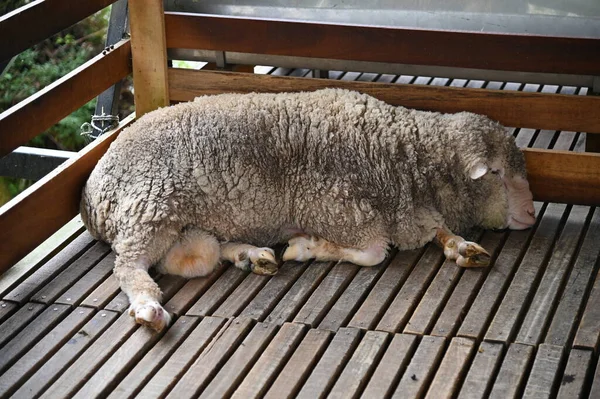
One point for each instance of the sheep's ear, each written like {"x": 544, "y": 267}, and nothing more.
{"x": 478, "y": 170}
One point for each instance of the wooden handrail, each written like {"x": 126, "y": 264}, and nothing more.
{"x": 43, "y": 109}
{"x": 40, "y": 19}
{"x": 508, "y": 52}
{"x": 38, "y": 212}
{"x": 511, "y": 108}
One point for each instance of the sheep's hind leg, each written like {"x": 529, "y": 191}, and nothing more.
{"x": 250, "y": 258}
{"x": 143, "y": 292}
{"x": 303, "y": 247}
{"x": 465, "y": 253}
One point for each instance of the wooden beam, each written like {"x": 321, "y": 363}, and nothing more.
{"x": 40, "y": 19}
{"x": 563, "y": 176}
{"x": 149, "y": 50}
{"x": 507, "y": 52}
{"x": 38, "y": 212}
{"x": 40, "y": 111}
{"x": 515, "y": 109}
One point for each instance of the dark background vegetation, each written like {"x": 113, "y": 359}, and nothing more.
{"x": 43, "y": 64}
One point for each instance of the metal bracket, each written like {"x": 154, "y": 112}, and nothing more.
{"x": 220, "y": 59}
{"x": 596, "y": 85}
{"x": 320, "y": 74}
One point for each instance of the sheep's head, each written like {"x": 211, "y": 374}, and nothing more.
{"x": 501, "y": 182}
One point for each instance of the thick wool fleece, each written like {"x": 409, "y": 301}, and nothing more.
{"x": 335, "y": 163}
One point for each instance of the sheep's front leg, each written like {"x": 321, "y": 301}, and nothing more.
{"x": 250, "y": 258}
{"x": 143, "y": 292}
{"x": 303, "y": 247}
{"x": 465, "y": 253}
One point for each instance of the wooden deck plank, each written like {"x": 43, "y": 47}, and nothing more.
{"x": 544, "y": 375}
{"x": 241, "y": 296}
{"x": 218, "y": 292}
{"x": 386, "y": 288}
{"x": 463, "y": 295}
{"x": 29, "y": 363}
{"x": 51, "y": 291}
{"x": 295, "y": 298}
{"x": 170, "y": 373}
{"x": 206, "y": 366}
{"x": 556, "y": 271}
{"x": 595, "y": 388}
{"x": 42, "y": 254}
{"x": 191, "y": 291}
{"x": 416, "y": 379}
{"x": 357, "y": 372}
{"x": 46, "y": 272}
{"x": 343, "y": 309}
{"x": 513, "y": 373}
{"x": 481, "y": 373}
{"x": 391, "y": 367}
{"x": 324, "y": 296}
{"x": 86, "y": 284}
{"x": 588, "y": 332}
{"x": 95, "y": 355}
{"x": 331, "y": 364}
{"x": 490, "y": 294}
{"x": 53, "y": 368}
{"x": 453, "y": 368}
{"x": 169, "y": 285}
{"x": 573, "y": 380}
{"x": 6, "y": 310}
{"x": 18, "y": 321}
{"x": 302, "y": 361}
{"x": 116, "y": 367}
{"x": 271, "y": 361}
{"x": 271, "y": 294}
{"x": 400, "y": 310}
{"x": 103, "y": 294}
{"x": 31, "y": 334}
{"x": 143, "y": 370}
{"x": 239, "y": 364}
{"x": 515, "y": 301}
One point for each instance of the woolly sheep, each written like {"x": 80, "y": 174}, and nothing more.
{"x": 337, "y": 174}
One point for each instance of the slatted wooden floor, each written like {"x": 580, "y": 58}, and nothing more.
{"x": 417, "y": 326}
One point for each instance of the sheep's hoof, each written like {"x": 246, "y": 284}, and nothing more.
{"x": 264, "y": 267}
{"x": 259, "y": 261}
{"x": 470, "y": 249}
{"x": 150, "y": 314}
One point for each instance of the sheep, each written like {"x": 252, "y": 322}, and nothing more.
{"x": 338, "y": 175}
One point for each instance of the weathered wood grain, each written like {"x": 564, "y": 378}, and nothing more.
{"x": 270, "y": 362}
{"x": 481, "y": 374}
{"x": 544, "y": 376}
{"x": 391, "y": 367}
{"x": 401, "y": 308}
{"x": 547, "y": 294}
{"x": 211, "y": 359}
{"x": 145, "y": 368}
{"x": 386, "y": 288}
{"x": 191, "y": 291}
{"x": 453, "y": 368}
{"x": 86, "y": 283}
{"x": 302, "y": 361}
{"x": 505, "y": 322}
{"x": 331, "y": 364}
{"x": 7, "y": 309}
{"x": 218, "y": 292}
{"x": 103, "y": 294}
{"x": 66, "y": 355}
{"x": 30, "y": 362}
{"x": 239, "y": 364}
{"x": 513, "y": 373}
{"x": 325, "y": 295}
{"x": 241, "y": 296}
{"x": 170, "y": 373}
{"x": 18, "y": 321}
{"x": 357, "y": 372}
{"x": 417, "y": 377}
{"x": 574, "y": 377}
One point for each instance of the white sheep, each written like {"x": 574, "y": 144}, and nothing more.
{"x": 337, "y": 174}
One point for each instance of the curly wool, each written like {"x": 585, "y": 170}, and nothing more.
{"x": 335, "y": 163}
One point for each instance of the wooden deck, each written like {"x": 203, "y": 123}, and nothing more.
{"x": 417, "y": 326}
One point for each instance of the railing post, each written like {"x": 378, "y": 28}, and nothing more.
{"x": 149, "y": 52}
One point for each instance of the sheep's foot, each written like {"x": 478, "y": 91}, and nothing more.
{"x": 260, "y": 261}
{"x": 465, "y": 253}
{"x": 148, "y": 312}
{"x": 304, "y": 247}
